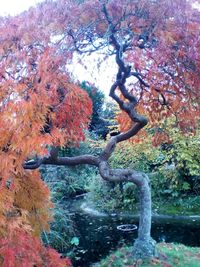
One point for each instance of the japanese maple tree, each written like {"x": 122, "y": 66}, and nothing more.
{"x": 155, "y": 42}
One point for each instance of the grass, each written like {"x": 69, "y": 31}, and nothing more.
{"x": 169, "y": 255}
{"x": 181, "y": 206}
{"x": 186, "y": 206}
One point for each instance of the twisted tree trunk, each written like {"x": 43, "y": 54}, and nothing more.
{"x": 144, "y": 246}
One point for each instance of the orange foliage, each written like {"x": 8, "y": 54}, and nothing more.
{"x": 20, "y": 249}
{"x": 31, "y": 187}
{"x": 41, "y": 107}
{"x": 24, "y": 213}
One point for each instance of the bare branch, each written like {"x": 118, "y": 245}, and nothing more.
{"x": 73, "y": 161}
{"x": 61, "y": 161}
{"x": 139, "y": 77}
{"x": 33, "y": 164}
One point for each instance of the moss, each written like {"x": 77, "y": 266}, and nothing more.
{"x": 169, "y": 255}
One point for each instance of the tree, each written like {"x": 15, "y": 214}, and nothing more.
{"x": 97, "y": 125}
{"x": 103, "y": 112}
{"x": 155, "y": 42}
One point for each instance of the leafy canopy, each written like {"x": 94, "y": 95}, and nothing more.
{"x": 40, "y": 106}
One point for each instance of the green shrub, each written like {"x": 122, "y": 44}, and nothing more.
{"x": 103, "y": 195}
{"x": 173, "y": 170}
{"x": 65, "y": 183}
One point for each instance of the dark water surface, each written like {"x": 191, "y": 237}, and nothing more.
{"x": 98, "y": 233}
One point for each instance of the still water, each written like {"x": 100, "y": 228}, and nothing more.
{"x": 98, "y": 233}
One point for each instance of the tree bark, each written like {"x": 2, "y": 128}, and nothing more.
{"x": 144, "y": 246}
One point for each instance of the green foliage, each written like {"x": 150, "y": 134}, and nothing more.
{"x": 103, "y": 194}
{"x": 103, "y": 113}
{"x": 62, "y": 230}
{"x": 186, "y": 205}
{"x": 173, "y": 169}
{"x": 178, "y": 174}
{"x": 109, "y": 114}
{"x": 107, "y": 196}
{"x": 140, "y": 156}
{"x": 184, "y": 153}
{"x": 97, "y": 124}
{"x": 64, "y": 183}
{"x": 130, "y": 196}
{"x": 75, "y": 241}
{"x": 124, "y": 196}
{"x": 90, "y": 146}
{"x": 168, "y": 255}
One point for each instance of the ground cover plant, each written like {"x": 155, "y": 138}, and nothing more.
{"x": 169, "y": 255}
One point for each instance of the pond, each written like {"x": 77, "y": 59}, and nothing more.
{"x": 98, "y": 233}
